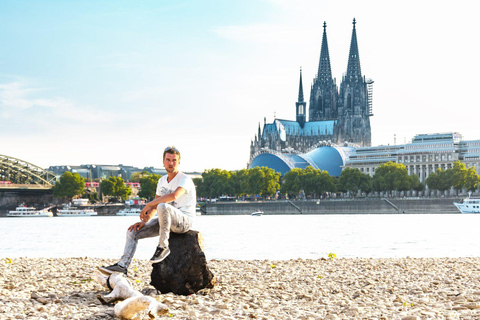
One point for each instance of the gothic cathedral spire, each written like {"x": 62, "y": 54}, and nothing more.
{"x": 353, "y": 70}
{"x": 301, "y": 104}
{"x": 323, "y": 96}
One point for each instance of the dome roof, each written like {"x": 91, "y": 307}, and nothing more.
{"x": 273, "y": 161}
{"x": 328, "y": 158}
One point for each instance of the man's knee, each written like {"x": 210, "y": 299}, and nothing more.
{"x": 131, "y": 234}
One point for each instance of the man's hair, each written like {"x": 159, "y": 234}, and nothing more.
{"x": 171, "y": 150}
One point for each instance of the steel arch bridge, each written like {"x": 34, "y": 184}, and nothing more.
{"x": 21, "y": 172}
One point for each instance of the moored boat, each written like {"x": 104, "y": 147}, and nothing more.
{"x": 24, "y": 211}
{"x": 468, "y": 205}
{"x": 69, "y": 211}
{"x": 129, "y": 212}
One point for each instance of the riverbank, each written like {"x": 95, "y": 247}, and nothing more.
{"x": 406, "y": 288}
{"x": 337, "y": 206}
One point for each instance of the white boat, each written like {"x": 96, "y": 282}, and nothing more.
{"x": 468, "y": 205}
{"x": 69, "y": 211}
{"x": 24, "y": 211}
{"x": 129, "y": 212}
{"x": 257, "y": 213}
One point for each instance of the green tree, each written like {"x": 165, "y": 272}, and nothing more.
{"x": 416, "y": 184}
{"x": 439, "y": 180}
{"x": 148, "y": 185}
{"x": 216, "y": 182}
{"x": 136, "y": 176}
{"x": 198, "y": 182}
{"x": 115, "y": 187}
{"x": 391, "y": 176}
{"x": 69, "y": 185}
{"x": 324, "y": 183}
{"x": 351, "y": 179}
{"x": 472, "y": 179}
{"x": 270, "y": 184}
{"x": 291, "y": 182}
{"x": 262, "y": 181}
{"x": 239, "y": 181}
{"x": 366, "y": 183}
{"x": 458, "y": 175}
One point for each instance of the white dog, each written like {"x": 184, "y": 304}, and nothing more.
{"x": 133, "y": 300}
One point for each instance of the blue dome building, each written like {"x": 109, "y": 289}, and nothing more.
{"x": 328, "y": 158}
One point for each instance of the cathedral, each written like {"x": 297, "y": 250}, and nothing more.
{"x": 335, "y": 116}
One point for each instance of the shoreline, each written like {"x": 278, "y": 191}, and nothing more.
{"x": 338, "y": 288}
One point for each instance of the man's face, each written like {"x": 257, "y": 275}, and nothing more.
{"x": 171, "y": 162}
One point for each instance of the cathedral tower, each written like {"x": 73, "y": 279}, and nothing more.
{"x": 323, "y": 95}
{"x": 354, "y": 109}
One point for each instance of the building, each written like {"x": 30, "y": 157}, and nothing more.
{"x": 336, "y": 117}
{"x": 101, "y": 171}
{"x": 424, "y": 155}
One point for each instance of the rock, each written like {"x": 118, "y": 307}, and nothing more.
{"x": 185, "y": 270}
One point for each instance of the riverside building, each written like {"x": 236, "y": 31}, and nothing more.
{"x": 424, "y": 155}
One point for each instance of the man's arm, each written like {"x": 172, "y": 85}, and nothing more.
{"x": 148, "y": 212}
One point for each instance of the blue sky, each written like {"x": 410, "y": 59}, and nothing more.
{"x": 112, "y": 82}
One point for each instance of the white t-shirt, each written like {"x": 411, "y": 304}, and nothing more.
{"x": 187, "y": 202}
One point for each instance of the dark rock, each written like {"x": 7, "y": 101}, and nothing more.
{"x": 185, "y": 269}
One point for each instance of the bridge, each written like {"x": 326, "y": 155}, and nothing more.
{"x": 19, "y": 174}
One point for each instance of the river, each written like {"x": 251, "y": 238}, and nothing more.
{"x": 274, "y": 237}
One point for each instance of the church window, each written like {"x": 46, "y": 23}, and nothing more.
{"x": 349, "y": 102}
{"x": 300, "y": 109}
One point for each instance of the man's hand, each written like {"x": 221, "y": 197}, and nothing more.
{"x": 146, "y": 214}
{"x": 136, "y": 226}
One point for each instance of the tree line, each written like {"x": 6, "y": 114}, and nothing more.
{"x": 314, "y": 183}
{"x": 71, "y": 185}
{"x": 297, "y": 183}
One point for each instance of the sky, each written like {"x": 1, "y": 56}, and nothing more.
{"x": 115, "y": 82}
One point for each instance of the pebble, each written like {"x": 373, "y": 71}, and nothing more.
{"x": 396, "y": 288}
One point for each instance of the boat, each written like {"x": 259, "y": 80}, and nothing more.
{"x": 257, "y": 213}
{"x": 24, "y": 211}
{"x": 69, "y": 211}
{"x": 468, "y": 205}
{"x": 129, "y": 212}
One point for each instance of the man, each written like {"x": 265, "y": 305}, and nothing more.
{"x": 174, "y": 203}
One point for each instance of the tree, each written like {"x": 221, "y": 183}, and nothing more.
{"x": 198, "y": 182}
{"x": 115, "y": 187}
{"x": 458, "y": 175}
{"x": 291, "y": 182}
{"x": 366, "y": 183}
{"x": 216, "y": 182}
{"x": 351, "y": 179}
{"x": 69, "y": 185}
{"x": 148, "y": 185}
{"x": 416, "y": 184}
{"x": 391, "y": 176}
{"x": 136, "y": 176}
{"x": 324, "y": 183}
{"x": 239, "y": 182}
{"x": 439, "y": 180}
{"x": 472, "y": 179}
{"x": 270, "y": 184}
{"x": 262, "y": 181}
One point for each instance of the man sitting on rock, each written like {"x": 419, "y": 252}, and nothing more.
{"x": 174, "y": 203}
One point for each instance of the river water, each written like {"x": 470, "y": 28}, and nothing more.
{"x": 274, "y": 237}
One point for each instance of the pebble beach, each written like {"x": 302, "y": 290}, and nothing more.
{"x": 327, "y": 288}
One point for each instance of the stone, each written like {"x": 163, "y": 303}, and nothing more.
{"x": 185, "y": 270}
